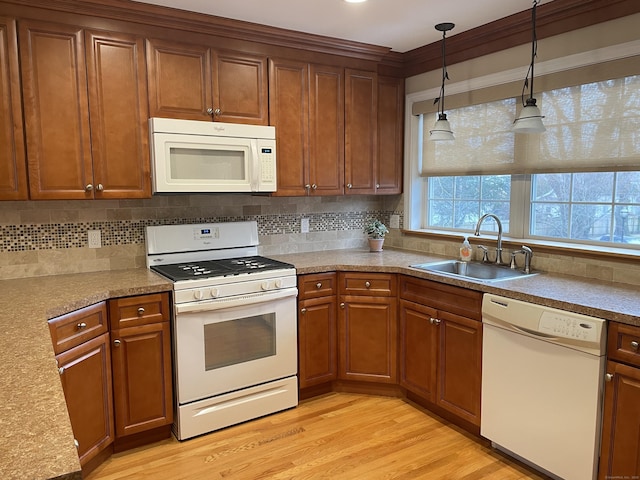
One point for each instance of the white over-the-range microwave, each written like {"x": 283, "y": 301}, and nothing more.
{"x": 190, "y": 156}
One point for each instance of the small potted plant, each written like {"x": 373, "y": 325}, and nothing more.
{"x": 376, "y": 231}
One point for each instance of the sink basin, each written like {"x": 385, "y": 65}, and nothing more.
{"x": 486, "y": 272}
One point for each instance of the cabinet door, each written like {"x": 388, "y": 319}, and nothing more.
{"x": 418, "y": 349}
{"x": 141, "y": 358}
{"x": 85, "y": 372}
{"x": 620, "y": 456}
{"x": 317, "y": 338}
{"x": 119, "y": 115}
{"x": 240, "y": 88}
{"x": 179, "y": 77}
{"x": 390, "y": 135}
{"x": 361, "y": 103}
{"x": 459, "y": 366}
{"x": 367, "y": 332}
{"x": 326, "y": 130}
{"x": 289, "y": 113}
{"x": 13, "y": 168}
{"x": 56, "y": 111}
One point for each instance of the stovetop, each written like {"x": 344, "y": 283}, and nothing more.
{"x": 219, "y": 268}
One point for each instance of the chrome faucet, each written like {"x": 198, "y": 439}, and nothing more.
{"x": 499, "y": 244}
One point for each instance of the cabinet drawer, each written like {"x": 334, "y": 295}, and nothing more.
{"x": 316, "y": 285}
{"x": 139, "y": 310}
{"x": 375, "y": 284}
{"x": 77, "y": 327}
{"x": 460, "y": 301}
{"x": 623, "y": 343}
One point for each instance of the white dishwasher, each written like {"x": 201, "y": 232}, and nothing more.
{"x": 542, "y": 381}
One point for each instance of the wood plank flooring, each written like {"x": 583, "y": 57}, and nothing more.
{"x": 335, "y": 436}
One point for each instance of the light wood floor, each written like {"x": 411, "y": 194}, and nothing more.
{"x": 336, "y": 436}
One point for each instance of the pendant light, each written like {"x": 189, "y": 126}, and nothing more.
{"x": 530, "y": 118}
{"x": 442, "y": 130}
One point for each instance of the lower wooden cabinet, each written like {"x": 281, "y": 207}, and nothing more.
{"x": 367, "y": 327}
{"x": 81, "y": 342}
{"x": 141, "y": 359}
{"x": 317, "y": 337}
{"x": 620, "y": 454}
{"x": 441, "y": 351}
{"x": 117, "y": 384}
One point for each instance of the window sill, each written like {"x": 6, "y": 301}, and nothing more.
{"x": 544, "y": 246}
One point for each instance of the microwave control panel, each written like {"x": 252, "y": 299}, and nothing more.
{"x": 267, "y": 157}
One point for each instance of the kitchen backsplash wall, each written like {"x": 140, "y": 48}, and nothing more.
{"x": 50, "y": 237}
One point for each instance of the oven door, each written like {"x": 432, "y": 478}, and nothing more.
{"x": 230, "y": 344}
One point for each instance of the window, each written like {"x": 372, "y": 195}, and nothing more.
{"x": 579, "y": 182}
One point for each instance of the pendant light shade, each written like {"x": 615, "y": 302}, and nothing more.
{"x": 530, "y": 118}
{"x": 442, "y": 130}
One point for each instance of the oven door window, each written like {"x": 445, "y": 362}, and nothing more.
{"x": 238, "y": 341}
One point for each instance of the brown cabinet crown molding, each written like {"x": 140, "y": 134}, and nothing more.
{"x": 552, "y": 18}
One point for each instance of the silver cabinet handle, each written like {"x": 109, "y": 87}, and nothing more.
{"x": 307, "y": 187}
{"x": 211, "y": 111}
{"x": 76, "y": 443}
{"x": 81, "y": 326}
{"x": 88, "y": 188}
{"x": 99, "y": 187}
{"x": 342, "y": 305}
{"x": 349, "y": 185}
{"x": 635, "y": 345}
{"x": 608, "y": 377}
{"x": 367, "y": 284}
{"x": 303, "y": 311}
{"x": 319, "y": 285}
{"x": 141, "y": 311}
{"x": 314, "y": 186}
{"x": 61, "y": 370}
{"x": 434, "y": 321}
{"x": 377, "y": 185}
{"x": 116, "y": 343}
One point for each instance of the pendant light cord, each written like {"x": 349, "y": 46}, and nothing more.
{"x": 534, "y": 54}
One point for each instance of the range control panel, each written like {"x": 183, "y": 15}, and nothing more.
{"x": 558, "y": 324}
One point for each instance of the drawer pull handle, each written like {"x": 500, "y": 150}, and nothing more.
{"x": 61, "y": 370}
{"x": 367, "y": 284}
{"x": 608, "y": 377}
{"x": 81, "y": 326}
{"x": 635, "y": 345}
{"x": 319, "y": 285}
{"x": 303, "y": 311}
{"x": 434, "y": 321}
{"x": 116, "y": 343}
{"x": 76, "y": 443}
{"x": 141, "y": 311}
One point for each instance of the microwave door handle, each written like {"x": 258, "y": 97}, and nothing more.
{"x": 255, "y": 167}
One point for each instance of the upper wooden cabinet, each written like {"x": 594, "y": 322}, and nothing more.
{"x": 13, "y": 170}
{"x": 389, "y": 156}
{"x": 361, "y": 135}
{"x": 85, "y": 113}
{"x": 196, "y": 82}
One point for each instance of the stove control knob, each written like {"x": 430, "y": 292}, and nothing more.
{"x": 215, "y": 292}
{"x": 278, "y": 283}
{"x": 197, "y": 294}
{"x": 265, "y": 286}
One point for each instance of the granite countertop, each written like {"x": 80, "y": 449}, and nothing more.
{"x": 35, "y": 432}
{"x": 36, "y": 437}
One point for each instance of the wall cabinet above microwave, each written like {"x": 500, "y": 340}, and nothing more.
{"x": 195, "y": 82}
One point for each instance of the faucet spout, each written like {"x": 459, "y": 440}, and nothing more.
{"x": 499, "y": 241}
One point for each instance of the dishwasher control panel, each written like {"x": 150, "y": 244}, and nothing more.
{"x": 559, "y": 324}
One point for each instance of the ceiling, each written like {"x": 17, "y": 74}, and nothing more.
{"x": 401, "y": 25}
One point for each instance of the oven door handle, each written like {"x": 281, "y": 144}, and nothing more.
{"x": 239, "y": 301}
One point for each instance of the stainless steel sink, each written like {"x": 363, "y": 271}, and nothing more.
{"x": 486, "y": 272}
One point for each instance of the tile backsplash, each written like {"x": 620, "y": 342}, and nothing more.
{"x": 50, "y": 237}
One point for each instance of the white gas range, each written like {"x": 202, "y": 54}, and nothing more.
{"x": 234, "y": 325}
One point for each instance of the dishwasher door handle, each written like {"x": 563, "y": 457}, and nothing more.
{"x": 534, "y": 333}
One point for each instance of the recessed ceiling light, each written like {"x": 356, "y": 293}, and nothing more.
{"x": 355, "y": 1}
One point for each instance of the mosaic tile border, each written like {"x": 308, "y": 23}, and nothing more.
{"x": 18, "y": 238}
